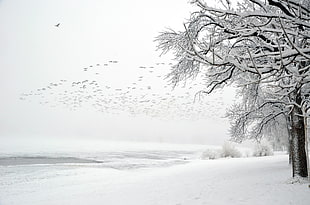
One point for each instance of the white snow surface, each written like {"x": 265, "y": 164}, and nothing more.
{"x": 253, "y": 181}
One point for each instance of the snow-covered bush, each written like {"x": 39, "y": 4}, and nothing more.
{"x": 229, "y": 150}
{"x": 211, "y": 154}
{"x": 262, "y": 149}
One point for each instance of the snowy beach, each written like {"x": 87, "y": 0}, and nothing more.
{"x": 148, "y": 176}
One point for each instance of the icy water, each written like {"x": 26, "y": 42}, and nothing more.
{"x": 121, "y": 160}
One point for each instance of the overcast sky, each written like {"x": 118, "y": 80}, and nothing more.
{"x": 109, "y": 43}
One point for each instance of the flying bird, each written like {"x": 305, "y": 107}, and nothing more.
{"x": 57, "y": 25}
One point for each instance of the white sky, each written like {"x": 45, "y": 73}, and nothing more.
{"x": 34, "y": 53}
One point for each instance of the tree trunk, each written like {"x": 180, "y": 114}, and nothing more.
{"x": 299, "y": 157}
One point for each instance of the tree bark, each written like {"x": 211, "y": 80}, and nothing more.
{"x": 299, "y": 157}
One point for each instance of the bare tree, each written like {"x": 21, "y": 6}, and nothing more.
{"x": 262, "y": 47}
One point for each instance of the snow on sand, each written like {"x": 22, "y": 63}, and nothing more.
{"x": 226, "y": 181}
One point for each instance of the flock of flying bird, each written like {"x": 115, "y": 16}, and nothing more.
{"x": 148, "y": 94}
{"x": 143, "y": 96}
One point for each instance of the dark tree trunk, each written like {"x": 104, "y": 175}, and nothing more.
{"x": 298, "y": 149}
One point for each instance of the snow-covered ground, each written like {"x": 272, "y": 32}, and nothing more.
{"x": 168, "y": 177}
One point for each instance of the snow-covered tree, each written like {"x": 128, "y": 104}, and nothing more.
{"x": 263, "y": 48}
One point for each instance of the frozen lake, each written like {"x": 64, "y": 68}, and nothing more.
{"x": 121, "y": 160}
{"x": 115, "y": 155}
